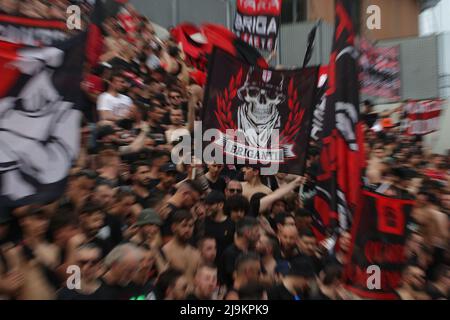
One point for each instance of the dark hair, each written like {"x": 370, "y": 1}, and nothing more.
{"x": 306, "y": 232}
{"x": 116, "y": 74}
{"x": 90, "y": 174}
{"x": 255, "y": 203}
{"x": 166, "y": 280}
{"x": 244, "y": 258}
{"x": 368, "y": 103}
{"x": 440, "y": 271}
{"x": 124, "y": 192}
{"x": 64, "y": 217}
{"x": 173, "y": 51}
{"x": 193, "y": 185}
{"x": 251, "y": 291}
{"x": 202, "y": 240}
{"x": 244, "y": 224}
{"x": 301, "y": 212}
{"x": 181, "y": 215}
{"x": 135, "y": 166}
{"x": 90, "y": 207}
{"x": 281, "y": 218}
{"x": 236, "y": 203}
{"x": 332, "y": 273}
{"x": 106, "y": 183}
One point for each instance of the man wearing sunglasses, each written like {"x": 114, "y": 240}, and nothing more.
{"x": 233, "y": 187}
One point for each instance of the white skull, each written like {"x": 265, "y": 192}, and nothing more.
{"x": 261, "y": 96}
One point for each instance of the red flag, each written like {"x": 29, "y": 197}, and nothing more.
{"x": 198, "y": 44}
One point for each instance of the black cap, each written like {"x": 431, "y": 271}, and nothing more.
{"x": 168, "y": 167}
{"x": 301, "y": 267}
{"x": 215, "y": 197}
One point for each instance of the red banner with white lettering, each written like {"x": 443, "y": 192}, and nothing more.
{"x": 257, "y": 22}
{"x": 378, "y": 247}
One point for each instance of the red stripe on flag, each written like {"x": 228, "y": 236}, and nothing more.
{"x": 259, "y": 7}
{"x": 425, "y": 115}
{"x": 9, "y": 73}
{"x": 36, "y": 23}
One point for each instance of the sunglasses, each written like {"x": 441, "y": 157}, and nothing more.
{"x": 235, "y": 190}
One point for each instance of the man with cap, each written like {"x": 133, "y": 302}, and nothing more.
{"x": 149, "y": 236}
{"x": 148, "y": 224}
{"x": 167, "y": 178}
{"x": 294, "y": 282}
{"x": 217, "y": 224}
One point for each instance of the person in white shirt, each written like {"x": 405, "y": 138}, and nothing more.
{"x": 113, "y": 106}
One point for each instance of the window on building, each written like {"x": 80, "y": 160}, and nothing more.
{"x": 293, "y": 11}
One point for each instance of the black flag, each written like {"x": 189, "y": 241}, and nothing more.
{"x": 378, "y": 241}
{"x": 267, "y": 108}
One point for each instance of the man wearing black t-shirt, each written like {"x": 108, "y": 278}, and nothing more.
{"x": 90, "y": 288}
{"x": 217, "y": 224}
{"x": 246, "y": 236}
{"x": 155, "y": 115}
{"x": 215, "y": 181}
{"x": 167, "y": 179}
{"x": 187, "y": 194}
{"x": 140, "y": 172}
{"x": 91, "y": 221}
{"x": 294, "y": 284}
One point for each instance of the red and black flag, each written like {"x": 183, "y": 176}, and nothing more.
{"x": 198, "y": 44}
{"x": 339, "y": 180}
{"x": 257, "y": 22}
{"x": 261, "y": 116}
{"x": 40, "y": 67}
{"x": 103, "y": 10}
{"x": 377, "y": 252}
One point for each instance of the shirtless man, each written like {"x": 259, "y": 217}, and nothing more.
{"x": 178, "y": 252}
{"x": 253, "y": 183}
{"x": 36, "y": 259}
{"x": 375, "y": 165}
{"x": 433, "y": 223}
{"x": 413, "y": 284}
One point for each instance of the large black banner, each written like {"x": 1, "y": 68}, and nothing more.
{"x": 262, "y": 116}
{"x": 257, "y": 22}
{"x": 378, "y": 240}
{"x": 40, "y": 68}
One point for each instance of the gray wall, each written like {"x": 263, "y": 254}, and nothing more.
{"x": 158, "y": 11}
{"x": 171, "y": 12}
{"x": 294, "y": 42}
{"x": 419, "y": 67}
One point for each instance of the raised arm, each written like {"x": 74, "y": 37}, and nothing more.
{"x": 267, "y": 201}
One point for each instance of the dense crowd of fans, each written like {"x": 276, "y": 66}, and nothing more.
{"x": 141, "y": 227}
